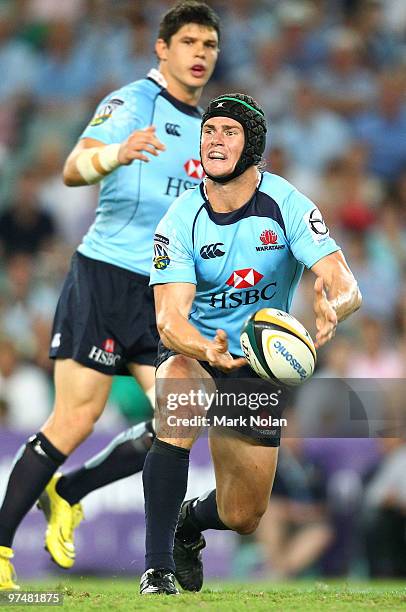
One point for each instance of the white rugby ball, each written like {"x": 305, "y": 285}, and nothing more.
{"x": 278, "y": 347}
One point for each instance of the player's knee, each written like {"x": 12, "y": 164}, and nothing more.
{"x": 243, "y": 521}
{"x": 177, "y": 366}
{"x": 79, "y": 420}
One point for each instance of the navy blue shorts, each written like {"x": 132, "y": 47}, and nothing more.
{"x": 105, "y": 317}
{"x": 243, "y": 380}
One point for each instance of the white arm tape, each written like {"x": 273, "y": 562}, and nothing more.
{"x": 108, "y": 159}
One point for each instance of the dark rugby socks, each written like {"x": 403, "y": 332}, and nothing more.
{"x": 124, "y": 456}
{"x": 165, "y": 481}
{"x": 33, "y": 468}
{"x": 202, "y": 515}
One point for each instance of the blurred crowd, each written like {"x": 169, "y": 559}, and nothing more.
{"x": 331, "y": 76}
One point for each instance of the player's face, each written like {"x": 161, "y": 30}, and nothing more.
{"x": 190, "y": 56}
{"x": 222, "y": 145}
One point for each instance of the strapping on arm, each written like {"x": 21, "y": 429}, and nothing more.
{"x": 95, "y": 163}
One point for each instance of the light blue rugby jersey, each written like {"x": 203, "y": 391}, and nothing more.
{"x": 134, "y": 198}
{"x": 241, "y": 261}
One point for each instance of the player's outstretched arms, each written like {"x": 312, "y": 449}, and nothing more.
{"x": 91, "y": 159}
{"x": 336, "y": 295}
{"x": 173, "y": 302}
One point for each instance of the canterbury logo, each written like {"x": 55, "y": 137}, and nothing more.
{"x": 210, "y": 251}
{"x": 173, "y": 129}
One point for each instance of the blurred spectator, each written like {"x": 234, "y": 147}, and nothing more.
{"x": 278, "y": 163}
{"x": 24, "y": 389}
{"x": 70, "y": 68}
{"x": 48, "y": 10}
{"x": 377, "y": 355}
{"x": 323, "y": 406}
{"x": 344, "y": 84}
{"x": 310, "y": 128}
{"x": 19, "y": 63}
{"x": 71, "y": 209}
{"x": 295, "y": 530}
{"x": 272, "y": 82}
{"x": 302, "y": 30}
{"x": 387, "y": 241}
{"x": 347, "y": 193}
{"x": 240, "y": 30}
{"x": 378, "y": 282}
{"x": 360, "y": 192}
{"x": 130, "y": 56}
{"x": 399, "y": 194}
{"x": 41, "y": 331}
{"x": 344, "y": 460}
{"x": 24, "y": 226}
{"x": 400, "y": 313}
{"x": 367, "y": 19}
{"x": 383, "y": 129}
{"x": 3, "y": 413}
{"x": 395, "y": 16}
{"x": 332, "y": 190}
{"x": 384, "y": 518}
{"x": 24, "y": 300}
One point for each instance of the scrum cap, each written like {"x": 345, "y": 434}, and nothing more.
{"x": 246, "y": 111}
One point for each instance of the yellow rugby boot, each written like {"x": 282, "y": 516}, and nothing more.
{"x": 7, "y": 572}
{"x": 62, "y": 521}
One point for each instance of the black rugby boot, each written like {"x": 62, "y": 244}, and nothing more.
{"x": 158, "y": 582}
{"x": 187, "y": 549}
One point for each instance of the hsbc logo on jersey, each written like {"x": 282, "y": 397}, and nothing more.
{"x": 243, "y": 279}
{"x": 109, "y": 345}
{"x": 175, "y": 185}
{"x": 248, "y": 277}
{"x": 269, "y": 240}
{"x": 194, "y": 169}
{"x": 105, "y": 356}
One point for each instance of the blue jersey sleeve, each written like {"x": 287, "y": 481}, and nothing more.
{"x": 115, "y": 119}
{"x": 173, "y": 260}
{"x": 308, "y": 236}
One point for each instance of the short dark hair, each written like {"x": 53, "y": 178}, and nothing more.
{"x": 187, "y": 11}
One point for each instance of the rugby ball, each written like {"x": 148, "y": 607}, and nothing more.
{"x": 278, "y": 347}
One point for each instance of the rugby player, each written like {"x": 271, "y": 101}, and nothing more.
{"x": 213, "y": 277}
{"x": 105, "y": 318}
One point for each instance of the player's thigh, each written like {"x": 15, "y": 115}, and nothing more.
{"x": 181, "y": 383}
{"x": 145, "y": 377}
{"x": 245, "y": 473}
{"x": 143, "y": 374}
{"x": 79, "y": 388}
{"x": 80, "y": 396}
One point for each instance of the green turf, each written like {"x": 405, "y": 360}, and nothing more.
{"x": 122, "y": 595}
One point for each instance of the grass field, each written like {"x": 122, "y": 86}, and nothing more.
{"x": 122, "y": 595}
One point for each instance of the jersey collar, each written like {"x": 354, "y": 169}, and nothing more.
{"x": 157, "y": 77}
{"x": 187, "y": 109}
{"x": 233, "y": 216}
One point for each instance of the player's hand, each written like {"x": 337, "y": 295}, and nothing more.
{"x": 219, "y": 357}
{"x": 138, "y": 143}
{"x": 326, "y": 317}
